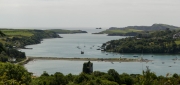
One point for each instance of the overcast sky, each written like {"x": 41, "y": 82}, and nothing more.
{"x": 88, "y": 13}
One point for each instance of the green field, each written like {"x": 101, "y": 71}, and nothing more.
{"x": 12, "y": 32}
{"x": 121, "y": 31}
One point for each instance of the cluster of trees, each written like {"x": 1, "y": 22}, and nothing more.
{"x": 165, "y": 34}
{"x": 134, "y": 45}
{"x": 7, "y": 52}
{"x": 11, "y": 74}
{"x": 157, "y": 42}
{"x": 112, "y": 77}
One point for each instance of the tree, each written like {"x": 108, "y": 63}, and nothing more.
{"x": 14, "y": 73}
{"x": 115, "y": 75}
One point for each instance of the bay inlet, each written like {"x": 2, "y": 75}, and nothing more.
{"x": 66, "y": 47}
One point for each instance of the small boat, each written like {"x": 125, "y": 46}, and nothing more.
{"x": 162, "y": 62}
{"x": 112, "y": 62}
{"x": 98, "y": 49}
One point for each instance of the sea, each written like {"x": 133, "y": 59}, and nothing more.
{"x": 71, "y": 45}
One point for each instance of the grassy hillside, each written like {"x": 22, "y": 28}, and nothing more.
{"x": 22, "y": 37}
{"x": 154, "y": 27}
{"x": 18, "y": 32}
{"x": 120, "y": 31}
{"x": 135, "y": 30}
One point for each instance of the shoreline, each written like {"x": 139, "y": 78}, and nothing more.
{"x": 30, "y": 58}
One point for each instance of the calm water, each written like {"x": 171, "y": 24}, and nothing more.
{"x": 89, "y": 43}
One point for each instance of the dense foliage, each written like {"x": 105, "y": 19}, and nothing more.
{"x": 28, "y": 37}
{"x": 156, "y": 42}
{"x": 112, "y": 77}
{"x": 8, "y": 53}
{"x": 12, "y": 39}
{"x": 11, "y": 74}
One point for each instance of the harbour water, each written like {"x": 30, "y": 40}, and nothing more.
{"x": 89, "y": 43}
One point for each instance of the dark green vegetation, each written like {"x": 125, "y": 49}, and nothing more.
{"x": 11, "y": 74}
{"x": 63, "y": 31}
{"x": 112, "y": 77}
{"x": 8, "y": 53}
{"x": 22, "y": 37}
{"x": 165, "y": 41}
{"x": 12, "y": 39}
{"x": 135, "y": 30}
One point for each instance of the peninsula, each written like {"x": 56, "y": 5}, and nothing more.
{"x": 163, "y": 41}
{"x": 135, "y": 30}
{"x": 13, "y": 39}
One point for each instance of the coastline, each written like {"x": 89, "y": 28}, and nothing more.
{"x": 30, "y": 58}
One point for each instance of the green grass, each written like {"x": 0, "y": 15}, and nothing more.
{"x": 177, "y": 42}
{"x": 11, "y": 32}
{"x": 121, "y": 31}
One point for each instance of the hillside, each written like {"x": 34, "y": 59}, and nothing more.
{"x": 164, "y": 41}
{"x": 134, "y": 30}
{"x": 12, "y": 39}
{"x": 148, "y": 28}
{"x": 22, "y": 37}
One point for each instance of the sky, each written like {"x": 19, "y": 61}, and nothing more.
{"x": 87, "y": 13}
